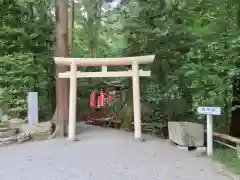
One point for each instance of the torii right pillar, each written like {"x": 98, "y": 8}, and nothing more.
{"x": 136, "y": 101}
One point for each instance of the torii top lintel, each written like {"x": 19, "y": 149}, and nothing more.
{"x": 121, "y": 61}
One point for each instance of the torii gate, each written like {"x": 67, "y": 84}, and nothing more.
{"x": 73, "y": 74}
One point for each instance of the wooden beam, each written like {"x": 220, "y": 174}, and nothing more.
{"x": 225, "y": 144}
{"x": 121, "y": 61}
{"x": 227, "y": 137}
{"x": 104, "y": 74}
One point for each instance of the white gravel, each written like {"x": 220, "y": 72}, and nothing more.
{"x": 104, "y": 154}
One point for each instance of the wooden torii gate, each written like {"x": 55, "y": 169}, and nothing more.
{"x": 73, "y": 74}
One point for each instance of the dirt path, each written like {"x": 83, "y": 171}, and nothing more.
{"x": 103, "y": 154}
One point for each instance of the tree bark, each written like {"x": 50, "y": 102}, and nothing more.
{"x": 127, "y": 121}
{"x": 70, "y": 24}
{"x": 62, "y": 50}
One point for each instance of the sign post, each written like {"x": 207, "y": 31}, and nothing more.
{"x": 209, "y": 135}
{"x": 209, "y": 111}
{"x": 32, "y": 100}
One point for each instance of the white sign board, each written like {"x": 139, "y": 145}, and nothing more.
{"x": 209, "y": 110}
{"x": 32, "y": 107}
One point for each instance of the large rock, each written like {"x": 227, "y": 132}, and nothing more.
{"x": 8, "y": 133}
{"x": 186, "y": 133}
{"x": 15, "y": 123}
{"x": 38, "y": 131}
{"x": 4, "y": 118}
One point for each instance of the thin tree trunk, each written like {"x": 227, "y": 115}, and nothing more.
{"x": 70, "y": 24}
{"x": 127, "y": 121}
{"x": 62, "y": 85}
{"x": 90, "y": 48}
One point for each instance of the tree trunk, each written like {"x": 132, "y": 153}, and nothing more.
{"x": 235, "y": 123}
{"x": 127, "y": 121}
{"x": 70, "y": 24}
{"x": 62, "y": 85}
{"x": 90, "y": 48}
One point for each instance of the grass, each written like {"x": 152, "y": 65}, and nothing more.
{"x": 227, "y": 157}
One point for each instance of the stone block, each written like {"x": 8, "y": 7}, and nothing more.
{"x": 186, "y": 134}
{"x": 37, "y": 131}
{"x": 15, "y": 123}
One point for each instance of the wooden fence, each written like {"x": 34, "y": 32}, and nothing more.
{"x": 228, "y": 138}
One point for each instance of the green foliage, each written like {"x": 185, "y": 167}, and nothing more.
{"x": 26, "y": 44}
{"x": 26, "y": 39}
{"x": 197, "y": 52}
{"x": 19, "y": 75}
{"x": 196, "y": 44}
{"x": 98, "y": 33}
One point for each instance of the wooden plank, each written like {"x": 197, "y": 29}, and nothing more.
{"x": 225, "y": 144}
{"x": 227, "y": 137}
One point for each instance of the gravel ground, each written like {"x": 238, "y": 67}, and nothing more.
{"x": 104, "y": 154}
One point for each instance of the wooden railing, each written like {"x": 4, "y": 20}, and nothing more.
{"x": 231, "y": 139}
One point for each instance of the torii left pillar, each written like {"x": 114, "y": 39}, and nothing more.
{"x": 136, "y": 102}
{"x": 72, "y": 102}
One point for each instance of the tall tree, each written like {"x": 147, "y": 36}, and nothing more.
{"x": 62, "y": 50}
{"x": 71, "y": 23}
{"x": 90, "y": 18}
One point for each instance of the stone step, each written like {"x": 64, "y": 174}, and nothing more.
{"x": 3, "y": 125}
{"x": 4, "y": 129}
